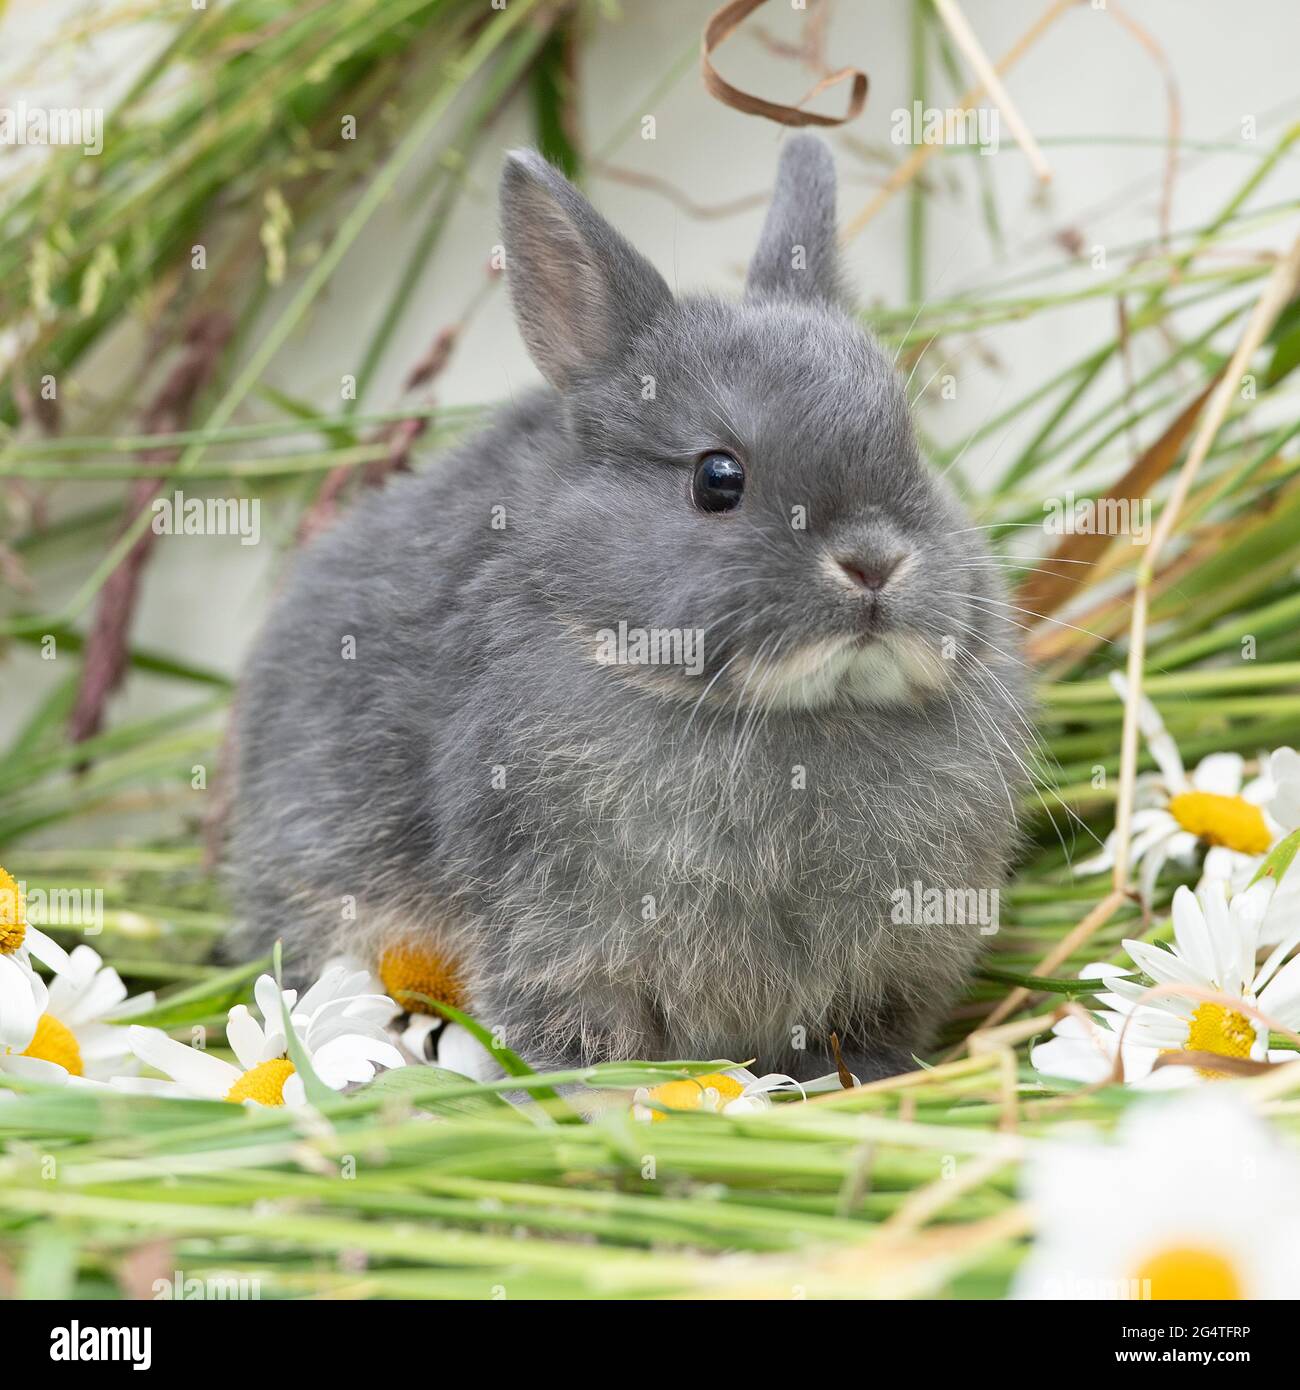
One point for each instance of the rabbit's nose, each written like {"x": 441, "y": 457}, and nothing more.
{"x": 871, "y": 575}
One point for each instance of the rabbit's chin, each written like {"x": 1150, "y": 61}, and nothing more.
{"x": 895, "y": 668}
{"x": 891, "y": 668}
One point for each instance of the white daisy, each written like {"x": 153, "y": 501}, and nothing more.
{"x": 340, "y": 1027}
{"x": 79, "y": 1032}
{"x": 734, "y": 1091}
{"x": 1278, "y": 790}
{"x": 1084, "y": 1050}
{"x": 1215, "y": 809}
{"x": 423, "y": 1036}
{"x": 22, "y": 993}
{"x": 1215, "y": 947}
{"x": 411, "y": 971}
{"x": 1195, "y": 1199}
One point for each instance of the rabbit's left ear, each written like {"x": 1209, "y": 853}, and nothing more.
{"x": 797, "y": 256}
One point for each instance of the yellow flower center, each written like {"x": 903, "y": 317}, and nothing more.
{"x": 263, "y": 1083}
{"x": 13, "y": 929}
{"x": 1220, "y": 1030}
{"x": 1230, "y": 821}
{"x": 55, "y": 1042}
{"x": 689, "y": 1095}
{"x": 1188, "y": 1271}
{"x": 406, "y": 970}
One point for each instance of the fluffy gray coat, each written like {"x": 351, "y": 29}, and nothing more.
{"x": 438, "y": 742}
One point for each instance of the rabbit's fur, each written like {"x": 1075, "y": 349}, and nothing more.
{"x": 634, "y": 861}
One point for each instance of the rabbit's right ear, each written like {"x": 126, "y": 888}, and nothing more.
{"x": 580, "y": 292}
{"x": 797, "y": 256}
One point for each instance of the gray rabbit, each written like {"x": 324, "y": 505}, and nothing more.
{"x": 682, "y": 704}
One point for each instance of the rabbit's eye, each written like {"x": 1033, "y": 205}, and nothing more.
{"x": 718, "y": 484}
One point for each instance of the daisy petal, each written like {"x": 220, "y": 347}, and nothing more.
{"x": 246, "y": 1038}
{"x": 1280, "y": 999}
{"x": 204, "y": 1074}
{"x": 267, "y": 996}
{"x": 353, "y": 1058}
{"x": 460, "y": 1051}
{"x": 1163, "y": 966}
{"x": 98, "y": 996}
{"x": 1192, "y": 935}
{"x": 1284, "y": 772}
{"x": 47, "y": 951}
{"x": 34, "y": 1069}
{"x": 23, "y": 997}
{"x": 1220, "y": 773}
{"x": 1158, "y": 739}
{"x": 1223, "y": 937}
{"x": 1151, "y": 866}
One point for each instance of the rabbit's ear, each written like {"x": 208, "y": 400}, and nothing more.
{"x": 579, "y": 290}
{"x": 796, "y": 256}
